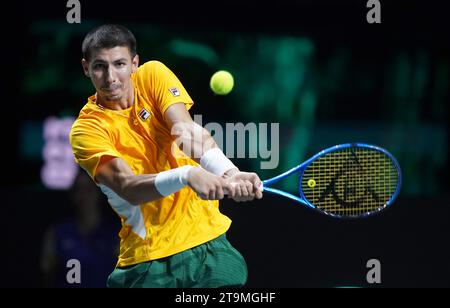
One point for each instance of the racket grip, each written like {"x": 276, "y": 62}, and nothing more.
{"x": 261, "y": 189}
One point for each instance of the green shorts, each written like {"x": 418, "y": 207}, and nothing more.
{"x": 211, "y": 265}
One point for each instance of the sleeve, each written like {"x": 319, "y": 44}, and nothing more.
{"x": 162, "y": 86}
{"x": 90, "y": 142}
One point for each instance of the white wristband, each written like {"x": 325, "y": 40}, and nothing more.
{"x": 216, "y": 162}
{"x": 171, "y": 181}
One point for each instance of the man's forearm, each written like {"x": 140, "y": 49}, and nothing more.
{"x": 196, "y": 142}
{"x": 150, "y": 187}
{"x": 193, "y": 139}
{"x": 138, "y": 189}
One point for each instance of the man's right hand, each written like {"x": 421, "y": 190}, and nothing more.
{"x": 207, "y": 185}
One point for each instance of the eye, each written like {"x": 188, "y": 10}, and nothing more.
{"x": 98, "y": 66}
{"x": 121, "y": 64}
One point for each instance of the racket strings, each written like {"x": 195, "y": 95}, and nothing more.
{"x": 351, "y": 182}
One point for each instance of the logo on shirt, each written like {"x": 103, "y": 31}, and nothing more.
{"x": 144, "y": 114}
{"x": 174, "y": 91}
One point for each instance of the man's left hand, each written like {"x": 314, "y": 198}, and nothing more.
{"x": 244, "y": 186}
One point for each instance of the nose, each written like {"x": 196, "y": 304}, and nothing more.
{"x": 111, "y": 76}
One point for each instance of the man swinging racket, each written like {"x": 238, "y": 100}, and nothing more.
{"x": 127, "y": 138}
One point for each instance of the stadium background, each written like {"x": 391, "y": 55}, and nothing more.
{"x": 315, "y": 67}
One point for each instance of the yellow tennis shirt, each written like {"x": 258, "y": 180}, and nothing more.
{"x": 140, "y": 136}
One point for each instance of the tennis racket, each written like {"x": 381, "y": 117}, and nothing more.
{"x": 345, "y": 181}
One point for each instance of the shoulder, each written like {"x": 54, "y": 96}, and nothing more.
{"x": 90, "y": 122}
{"x": 152, "y": 67}
{"x": 86, "y": 124}
{"x": 91, "y": 116}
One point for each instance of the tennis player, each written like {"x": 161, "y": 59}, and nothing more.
{"x": 138, "y": 142}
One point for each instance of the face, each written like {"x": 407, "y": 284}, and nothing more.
{"x": 110, "y": 71}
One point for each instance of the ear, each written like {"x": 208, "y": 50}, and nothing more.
{"x": 135, "y": 63}
{"x": 85, "y": 66}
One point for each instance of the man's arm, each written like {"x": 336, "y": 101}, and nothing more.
{"x": 116, "y": 174}
{"x": 195, "y": 141}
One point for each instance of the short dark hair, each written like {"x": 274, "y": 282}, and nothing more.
{"x": 108, "y": 36}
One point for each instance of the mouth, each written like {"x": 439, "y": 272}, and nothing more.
{"x": 112, "y": 90}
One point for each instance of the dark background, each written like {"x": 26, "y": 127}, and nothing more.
{"x": 327, "y": 77}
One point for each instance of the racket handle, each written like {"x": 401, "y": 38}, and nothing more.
{"x": 261, "y": 189}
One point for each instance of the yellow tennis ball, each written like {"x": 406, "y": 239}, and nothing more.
{"x": 221, "y": 82}
{"x": 311, "y": 183}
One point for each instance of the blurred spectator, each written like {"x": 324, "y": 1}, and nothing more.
{"x": 87, "y": 237}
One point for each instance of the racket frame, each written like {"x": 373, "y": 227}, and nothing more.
{"x": 302, "y": 167}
